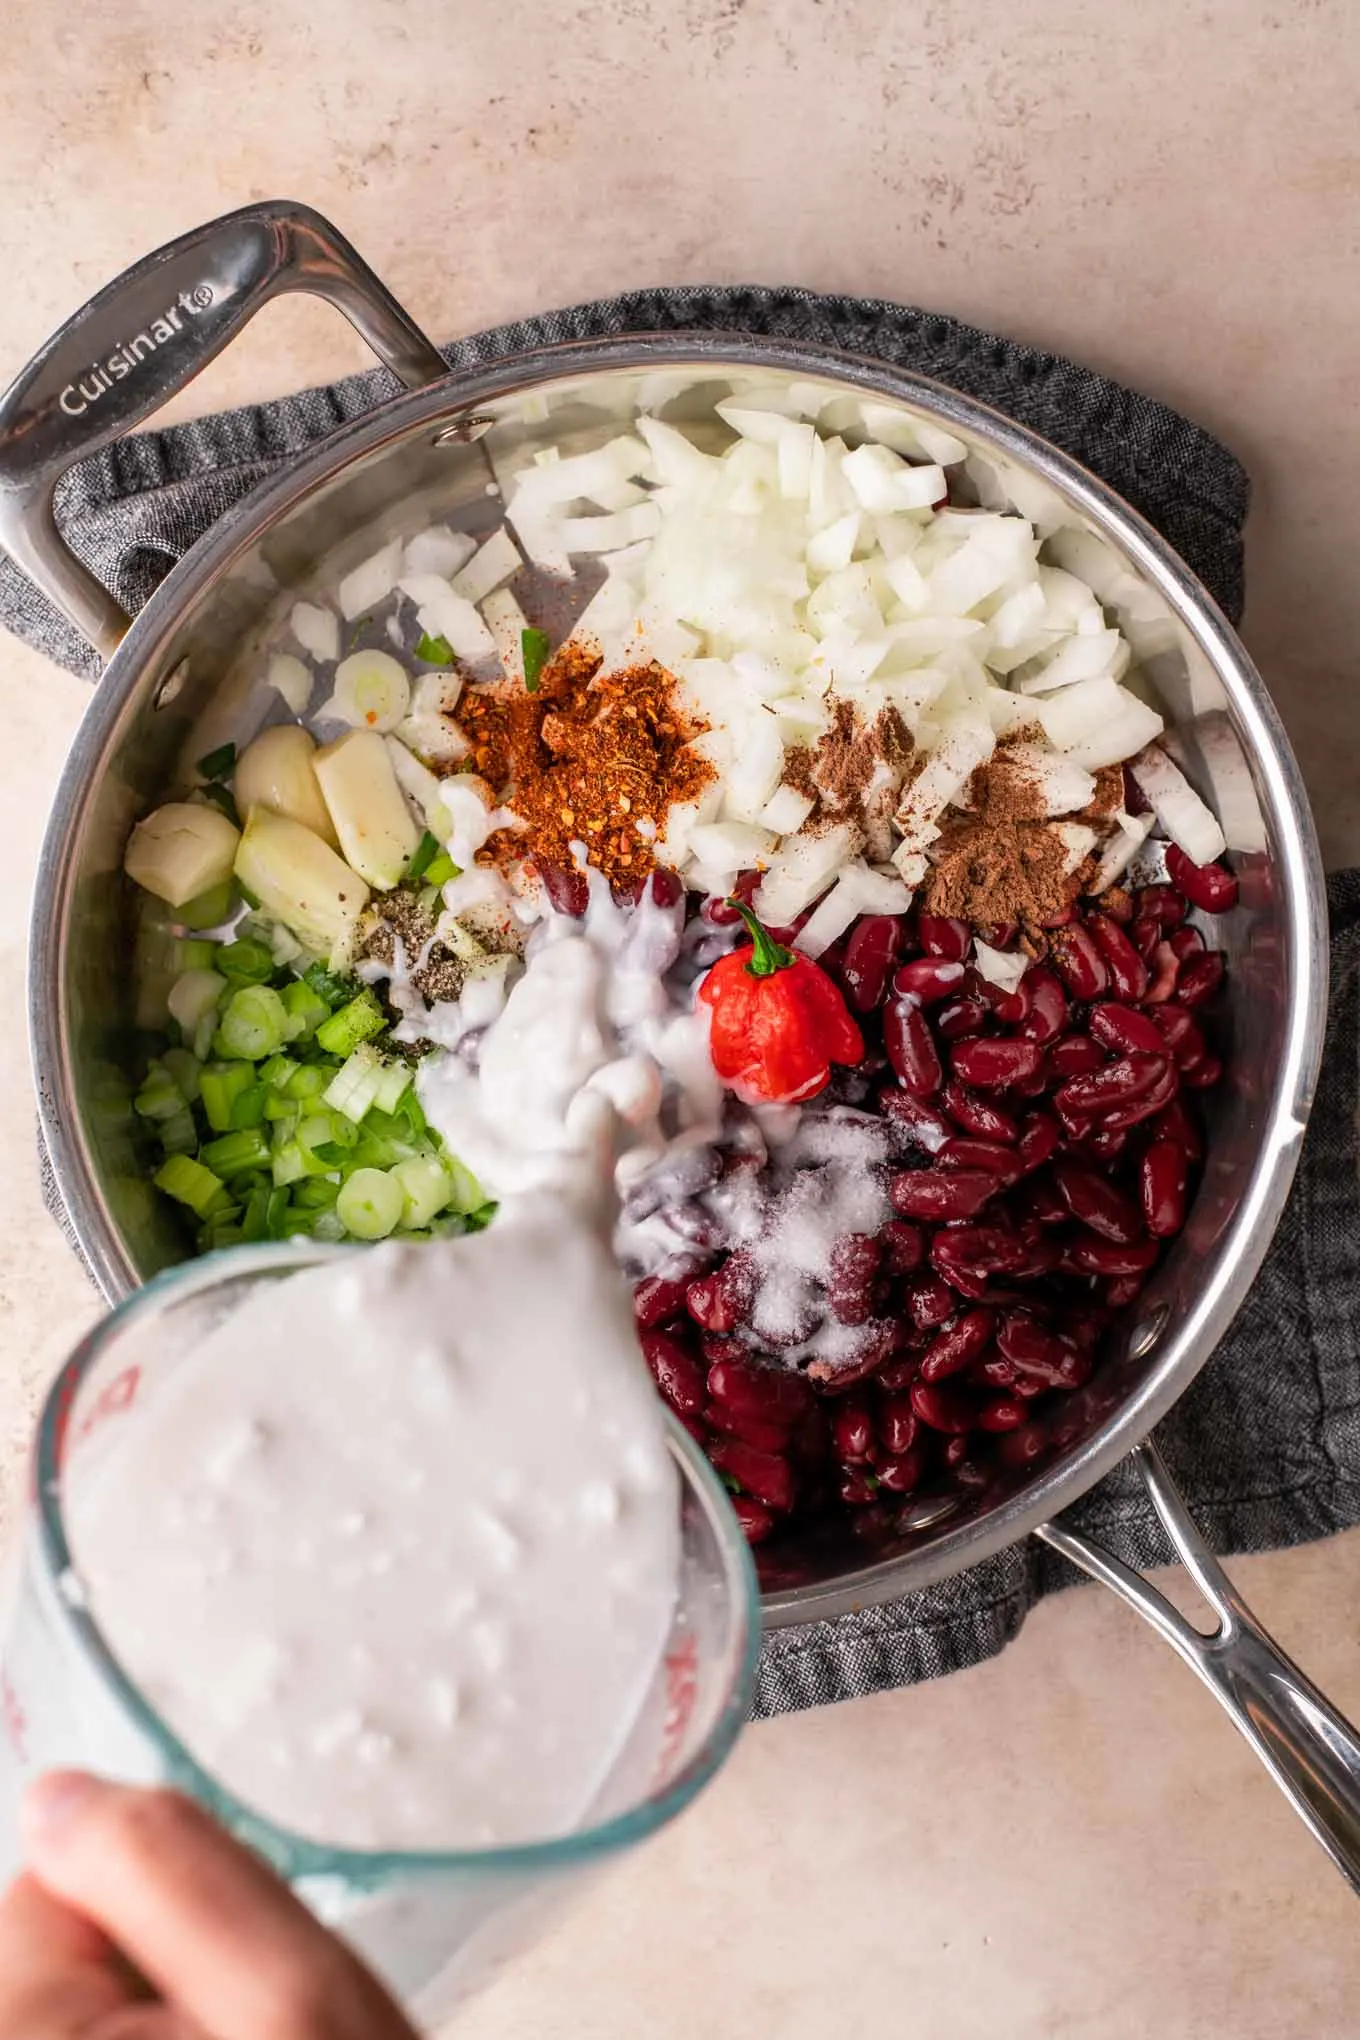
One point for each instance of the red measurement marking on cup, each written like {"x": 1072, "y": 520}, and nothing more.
{"x": 12, "y": 1717}
{"x": 113, "y": 1400}
{"x": 682, "y": 1693}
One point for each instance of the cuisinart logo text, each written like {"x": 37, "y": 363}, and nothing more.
{"x": 100, "y": 377}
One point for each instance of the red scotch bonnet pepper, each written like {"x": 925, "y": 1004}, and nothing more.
{"x": 779, "y": 1022}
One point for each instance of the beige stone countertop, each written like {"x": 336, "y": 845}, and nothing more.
{"x": 1070, "y": 1840}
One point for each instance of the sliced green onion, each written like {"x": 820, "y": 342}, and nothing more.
{"x": 278, "y": 1105}
{"x": 277, "y": 1071}
{"x": 441, "y": 869}
{"x": 467, "y": 1194}
{"x": 396, "y": 1081}
{"x": 178, "y": 1134}
{"x": 253, "y": 1023}
{"x": 318, "y": 1193}
{"x": 434, "y": 651}
{"x": 188, "y": 953}
{"x": 234, "y": 1153}
{"x": 185, "y": 1069}
{"x": 275, "y": 1213}
{"x": 534, "y": 646}
{"x": 189, "y": 1182}
{"x": 160, "y": 1096}
{"x": 426, "y": 849}
{"x": 254, "y": 1220}
{"x": 289, "y": 1163}
{"x": 245, "y": 963}
{"x": 194, "y": 995}
{"x": 219, "y": 764}
{"x": 202, "y": 1039}
{"x": 221, "y": 1084}
{"x": 480, "y": 1219}
{"x": 426, "y": 1187}
{"x": 356, "y": 1022}
{"x": 308, "y": 1081}
{"x": 209, "y": 909}
{"x": 328, "y": 1225}
{"x": 354, "y": 1087}
{"x": 248, "y": 1108}
{"x": 335, "y": 987}
{"x": 304, "y": 1005}
{"x": 370, "y": 1204}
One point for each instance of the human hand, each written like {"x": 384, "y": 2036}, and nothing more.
{"x": 138, "y": 1918}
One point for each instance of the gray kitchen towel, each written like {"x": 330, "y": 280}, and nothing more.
{"x": 1266, "y": 1444}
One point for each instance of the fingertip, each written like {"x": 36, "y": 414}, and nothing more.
{"x": 53, "y": 1805}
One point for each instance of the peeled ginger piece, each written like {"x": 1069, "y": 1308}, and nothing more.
{"x": 180, "y": 851}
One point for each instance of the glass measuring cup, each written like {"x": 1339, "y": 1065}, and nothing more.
{"x": 434, "y": 1924}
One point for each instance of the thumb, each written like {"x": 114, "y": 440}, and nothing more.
{"x": 59, "y": 1975}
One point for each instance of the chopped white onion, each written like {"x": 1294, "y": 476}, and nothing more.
{"x": 1133, "y": 726}
{"x": 1179, "y": 809}
{"x": 287, "y": 675}
{"x": 317, "y": 630}
{"x": 420, "y": 786}
{"x": 1078, "y": 842}
{"x": 785, "y": 811}
{"x": 438, "y": 551}
{"x": 442, "y": 613}
{"x": 491, "y": 564}
{"x": 800, "y": 870}
{"x": 829, "y": 919}
{"x": 1132, "y": 832}
{"x": 507, "y": 624}
{"x": 1003, "y": 967}
{"x": 371, "y": 582}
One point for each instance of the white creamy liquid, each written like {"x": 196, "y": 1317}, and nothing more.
{"x": 395, "y": 1551}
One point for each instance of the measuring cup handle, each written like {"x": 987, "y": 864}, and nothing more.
{"x": 1309, "y": 1748}
{"x": 145, "y": 336}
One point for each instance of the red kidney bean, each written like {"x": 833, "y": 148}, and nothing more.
{"x": 659, "y": 1298}
{"x": 755, "y": 1519}
{"x": 1204, "y": 1074}
{"x": 942, "y": 1193}
{"x": 852, "y": 1430}
{"x": 998, "y": 934}
{"x": 1210, "y": 887}
{"x": 717, "y": 912}
{"x": 1021, "y": 1449}
{"x": 1163, "y": 1182}
{"x": 1145, "y": 934}
{"x": 1040, "y": 1134}
{"x": 1121, "y": 1290}
{"x": 925, "y": 1126}
{"x": 1180, "y": 1032}
{"x": 981, "y": 1117}
{"x": 567, "y": 890}
{"x": 1002, "y": 1413}
{"x": 911, "y": 1048}
{"x": 1001, "y": 1162}
{"x": 940, "y": 937}
{"x": 1177, "y": 1123}
{"x": 1107, "y": 1145}
{"x": 675, "y": 1370}
{"x": 1105, "y": 1257}
{"x": 1076, "y": 1055}
{"x": 1048, "y": 1009}
{"x": 962, "y": 1018}
{"x": 1078, "y": 962}
{"x": 871, "y": 952}
{"x": 896, "y": 1424}
{"x": 721, "y": 1301}
{"x": 855, "y": 1262}
{"x": 943, "y": 1407}
{"x": 994, "y": 1065}
{"x": 1039, "y": 1200}
{"x": 927, "y": 1302}
{"x": 901, "y": 1373}
{"x": 1024, "y": 1341}
{"x": 1164, "y": 967}
{"x": 1146, "y": 1107}
{"x": 1010, "y": 1007}
{"x": 1102, "y": 1091}
{"x": 1124, "y": 1029}
{"x": 968, "y": 1254}
{"x": 1128, "y": 972}
{"x": 1118, "y": 904}
{"x": 1200, "y": 978}
{"x": 1186, "y": 942}
{"x": 775, "y": 1393}
{"x": 904, "y": 1246}
{"x": 1097, "y": 1204}
{"x": 766, "y": 1475}
{"x": 858, "y": 1486}
{"x": 928, "y": 979}
{"x": 952, "y": 1349}
{"x": 1161, "y": 903}
{"x": 751, "y": 1429}
{"x": 903, "y": 1473}
{"x": 719, "y": 1346}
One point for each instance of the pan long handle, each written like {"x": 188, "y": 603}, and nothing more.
{"x": 1311, "y": 1751}
{"x": 147, "y": 334}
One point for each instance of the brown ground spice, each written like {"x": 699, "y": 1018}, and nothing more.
{"x": 1002, "y": 861}
{"x": 591, "y": 757}
{"x": 837, "y": 771}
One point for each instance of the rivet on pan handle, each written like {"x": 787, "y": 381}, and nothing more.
{"x": 145, "y": 336}
{"x": 1311, "y": 1751}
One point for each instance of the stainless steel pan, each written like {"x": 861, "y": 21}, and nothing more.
{"x": 182, "y": 672}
